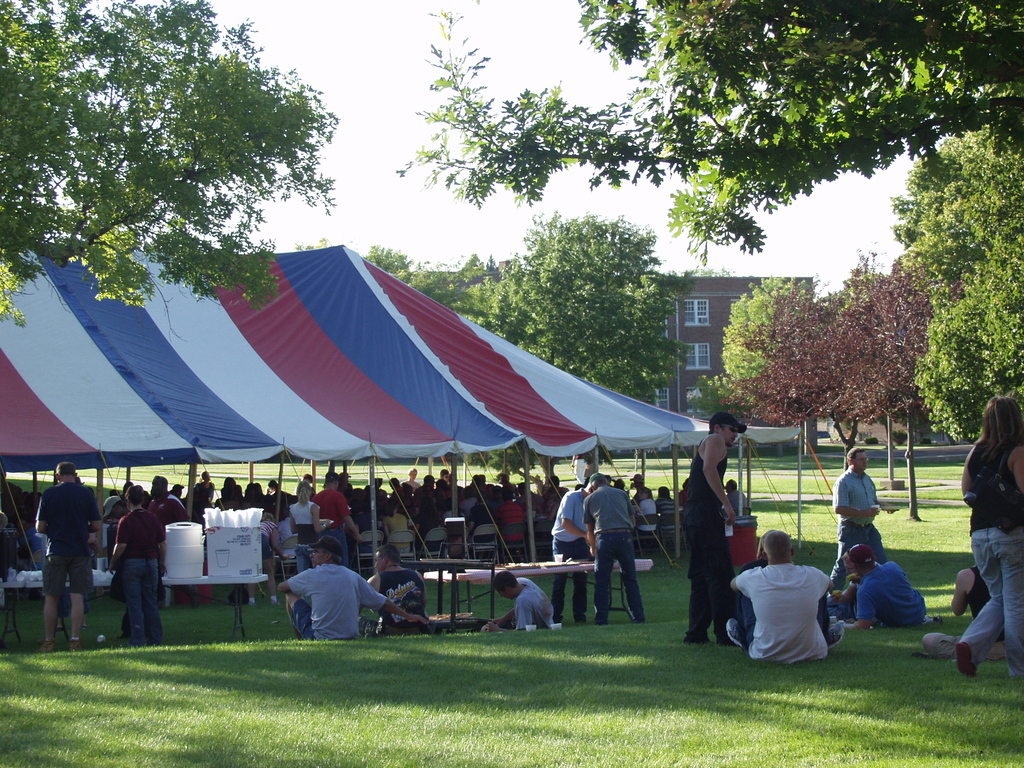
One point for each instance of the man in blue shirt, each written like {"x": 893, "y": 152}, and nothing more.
{"x": 569, "y": 539}
{"x": 884, "y": 594}
{"x": 68, "y": 515}
{"x": 856, "y": 505}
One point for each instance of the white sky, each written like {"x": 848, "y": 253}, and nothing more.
{"x": 371, "y": 62}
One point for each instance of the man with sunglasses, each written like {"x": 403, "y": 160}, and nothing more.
{"x": 710, "y": 572}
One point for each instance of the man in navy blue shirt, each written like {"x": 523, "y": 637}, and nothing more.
{"x": 68, "y": 514}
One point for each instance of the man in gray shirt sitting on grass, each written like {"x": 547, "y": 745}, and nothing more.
{"x": 532, "y": 606}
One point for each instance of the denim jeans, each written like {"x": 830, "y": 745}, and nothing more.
{"x": 577, "y": 549}
{"x": 140, "y": 578}
{"x": 613, "y": 547}
{"x": 1000, "y": 559}
{"x": 302, "y": 561}
{"x": 850, "y": 535}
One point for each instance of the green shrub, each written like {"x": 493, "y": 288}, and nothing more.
{"x": 926, "y": 441}
{"x": 870, "y": 440}
{"x": 899, "y": 437}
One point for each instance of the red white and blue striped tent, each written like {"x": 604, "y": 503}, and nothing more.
{"x": 347, "y": 362}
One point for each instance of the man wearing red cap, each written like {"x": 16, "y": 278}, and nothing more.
{"x": 885, "y": 594}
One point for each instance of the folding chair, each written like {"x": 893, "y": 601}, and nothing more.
{"x": 483, "y": 541}
{"x": 511, "y": 547}
{"x": 288, "y": 566}
{"x": 646, "y": 530}
{"x": 542, "y": 539}
{"x": 404, "y": 541}
{"x": 364, "y": 551}
{"x": 435, "y": 541}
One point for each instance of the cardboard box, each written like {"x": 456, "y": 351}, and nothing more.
{"x": 233, "y": 551}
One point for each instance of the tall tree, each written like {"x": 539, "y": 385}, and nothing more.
{"x": 588, "y": 298}
{"x": 748, "y": 103}
{"x": 887, "y": 318}
{"x": 133, "y": 127}
{"x": 850, "y": 356}
{"x": 787, "y": 355}
{"x": 961, "y": 220}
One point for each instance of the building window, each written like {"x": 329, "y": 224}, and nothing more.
{"x": 692, "y": 393}
{"x": 698, "y": 356}
{"x": 695, "y": 312}
{"x": 661, "y": 398}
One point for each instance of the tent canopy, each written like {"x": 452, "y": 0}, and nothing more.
{"x": 346, "y": 362}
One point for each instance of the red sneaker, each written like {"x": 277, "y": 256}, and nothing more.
{"x": 963, "y": 660}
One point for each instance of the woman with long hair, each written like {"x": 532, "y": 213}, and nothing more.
{"x": 999, "y": 555}
{"x": 305, "y": 518}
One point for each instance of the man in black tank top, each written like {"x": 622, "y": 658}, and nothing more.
{"x": 969, "y": 592}
{"x": 707, "y": 513}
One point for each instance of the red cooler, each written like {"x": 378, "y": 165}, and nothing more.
{"x": 743, "y": 542}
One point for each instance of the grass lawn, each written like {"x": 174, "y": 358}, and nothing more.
{"x": 587, "y": 696}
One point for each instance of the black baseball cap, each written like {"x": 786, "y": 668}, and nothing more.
{"x": 727, "y": 420}
{"x": 328, "y": 544}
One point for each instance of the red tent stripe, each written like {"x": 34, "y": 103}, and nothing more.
{"x": 298, "y": 351}
{"x": 29, "y": 426}
{"x": 487, "y": 375}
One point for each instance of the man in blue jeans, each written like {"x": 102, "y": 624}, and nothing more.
{"x": 608, "y": 514}
{"x": 569, "y": 539}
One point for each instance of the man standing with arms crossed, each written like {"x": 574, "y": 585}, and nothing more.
{"x": 710, "y": 573}
{"x": 67, "y": 515}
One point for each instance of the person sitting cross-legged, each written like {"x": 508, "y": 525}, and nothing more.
{"x": 786, "y": 599}
{"x": 337, "y": 593}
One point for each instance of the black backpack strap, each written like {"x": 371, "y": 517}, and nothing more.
{"x": 1002, "y": 469}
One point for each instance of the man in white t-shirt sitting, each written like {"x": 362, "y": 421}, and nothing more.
{"x": 785, "y": 599}
{"x": 532, "y": 607}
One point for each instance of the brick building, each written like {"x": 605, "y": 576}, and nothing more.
{"x": 699, "y": 321}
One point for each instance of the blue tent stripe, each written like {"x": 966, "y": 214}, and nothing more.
{"x": 140, "y": 353}
{"x": 335, "y": 294}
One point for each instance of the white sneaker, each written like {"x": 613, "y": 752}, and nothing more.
{"x": 835, "y": 634}
{"x": 732, "y": 629}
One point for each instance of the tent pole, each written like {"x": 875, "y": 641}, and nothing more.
{"x": 191, "y": 492}
{"x": 252, "y": 476}
{"x": 746, "y": 499}
{"x": 453, "y": 481}
{"x": 312, "y": 471}
{"x": 675, "y": 495}
{"x": 370, "y": 467}
{"x": 280, "y": 488}
{"x": 799, "y": 485}
{"x": 99, "y": 489}
{"x": 529, "y": 501}
{"x": 643, "y": 464}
